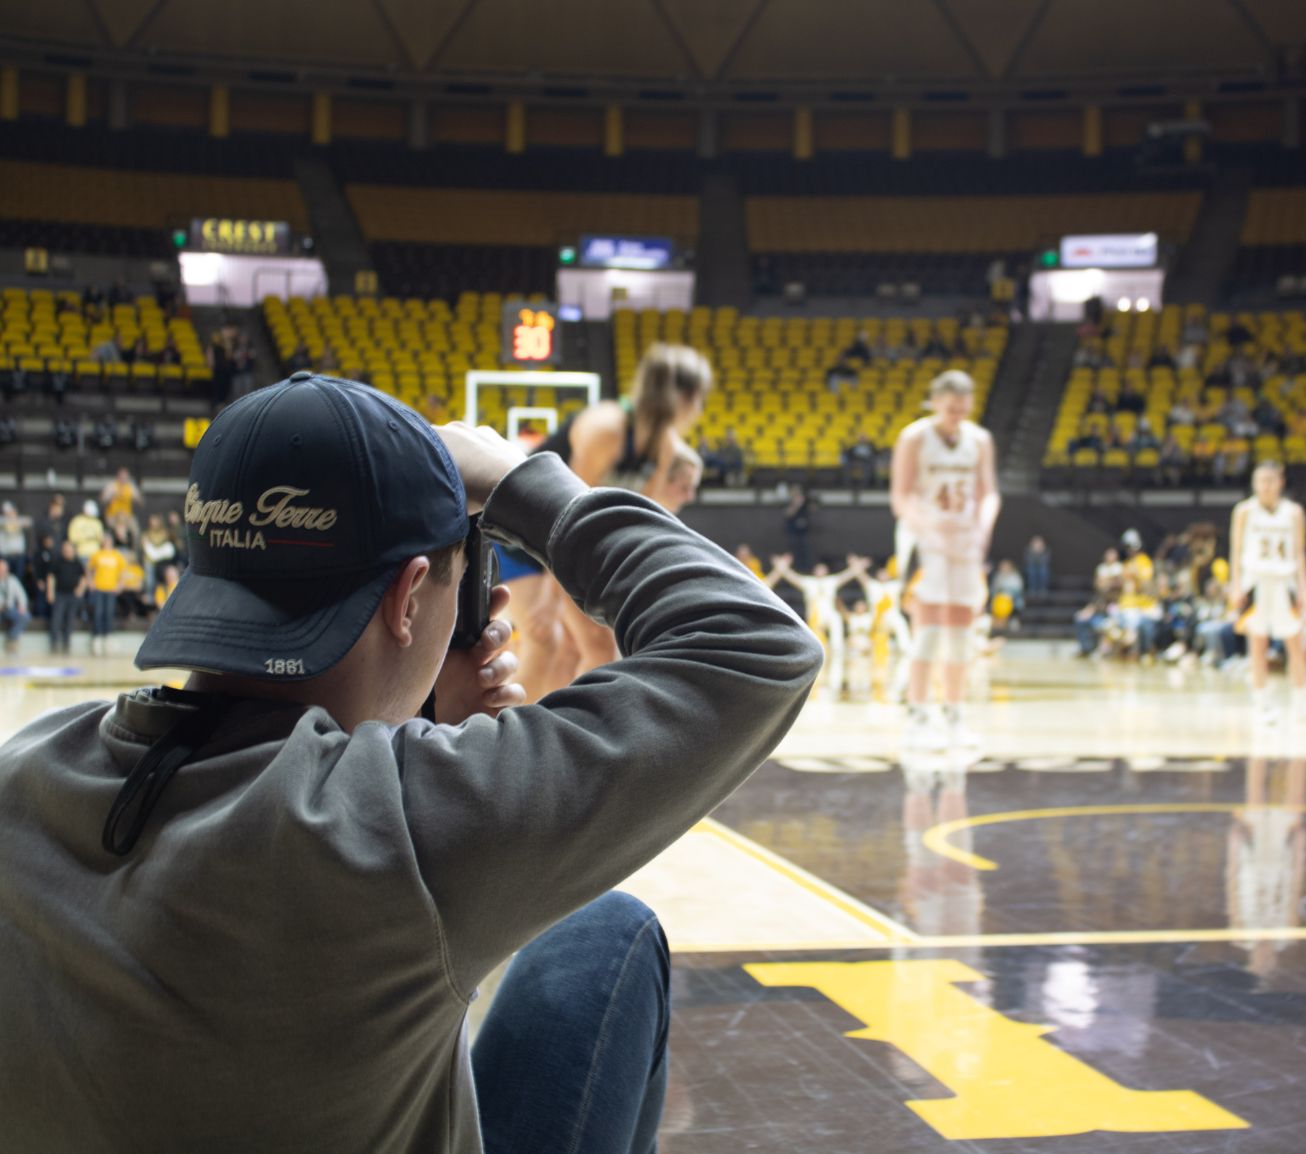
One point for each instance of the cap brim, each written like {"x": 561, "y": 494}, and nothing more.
{"x": 220, "y": 626}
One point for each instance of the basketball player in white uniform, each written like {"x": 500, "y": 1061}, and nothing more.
{"x": 1268, "y": 569}
{"x": 820, "y": 592}
{"x": 945, "y": 490}
{"x": 860, "y": 625}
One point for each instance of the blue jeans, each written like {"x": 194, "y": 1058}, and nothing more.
{"x": 63, "y": 615}
{"x": 1038, "y": 575}
{"x": 13, "y": 622}
{"x": 1086, "y": 632}
{"x": 572, "y": 1057}
{"x": 102, "y": 613}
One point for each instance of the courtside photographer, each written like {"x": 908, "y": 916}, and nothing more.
{"x": 250, "y": 914}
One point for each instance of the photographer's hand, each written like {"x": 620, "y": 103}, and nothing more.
{"x": 482, "y": 457}
{"x": 479, "y": 680}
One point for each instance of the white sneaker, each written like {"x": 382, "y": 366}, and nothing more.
{"x": 924, "y": 733}
{"x": 1267, "y": 716}
{"x": 960, "y": 736}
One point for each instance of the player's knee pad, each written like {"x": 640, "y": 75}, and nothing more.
{"x": 927, "y": 643}
{"x": 955, "y": 644}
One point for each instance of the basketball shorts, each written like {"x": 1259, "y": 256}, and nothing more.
{"x": 950, "y": 579}
{"x": 1274, "y": 611}
{"x": 515, "y": 563}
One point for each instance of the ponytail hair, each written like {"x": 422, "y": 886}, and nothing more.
{"x": 667, "y": 374}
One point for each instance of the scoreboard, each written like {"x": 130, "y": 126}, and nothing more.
{"x": 530, "y": 335}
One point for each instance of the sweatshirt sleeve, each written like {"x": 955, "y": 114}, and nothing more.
{"x": 519, "y": 820}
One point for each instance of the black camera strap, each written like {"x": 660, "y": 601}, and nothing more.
{"x": 156, "y": 767}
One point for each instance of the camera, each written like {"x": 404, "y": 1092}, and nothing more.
{"x": 479, "y": 578}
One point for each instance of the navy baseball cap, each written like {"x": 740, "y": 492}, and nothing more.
{"x": 305, "y": 499}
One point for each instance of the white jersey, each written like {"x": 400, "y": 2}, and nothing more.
{"x": 1269, "y": 541}
{"x": 947, "y": 477}
{"x": 860, "y": 628}
{"x": 820, "y": 595}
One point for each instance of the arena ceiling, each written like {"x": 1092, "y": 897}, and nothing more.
{"x": 696, "y": 43}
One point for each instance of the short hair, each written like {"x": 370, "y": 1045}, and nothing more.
{"x": 953, "y": 381}
{"x": 442, "y": 561}
{"x": 1270, "y": 466}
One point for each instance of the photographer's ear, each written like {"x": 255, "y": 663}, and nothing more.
{"x": 399, "y": 606}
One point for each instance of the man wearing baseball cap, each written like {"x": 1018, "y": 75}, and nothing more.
{"x": 249, "y": 915}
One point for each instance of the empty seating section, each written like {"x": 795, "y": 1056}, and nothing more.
{"x": 43, "y": 334}
{"x": 1273, "y": 242}
{"x": 1135, "y": 337}
{"x": 1275, "y": 216}
{"x": 117, "y": 199}
{"x": 850, "y": 245}
{"x": 771, "y": 377}
{"x": 490, "y": 217}
{"x": 416, "y": 350}
{"x": 863, "y": 273}
{"x": 432, "y": 270}
{"x": 957, "y": 223}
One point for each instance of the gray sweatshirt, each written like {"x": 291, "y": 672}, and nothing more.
{"x": 284, "y": 961}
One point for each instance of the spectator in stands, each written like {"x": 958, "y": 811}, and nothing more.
{"x": 218, "y": 356}
{"x": 1162, "y": 358}
{"x": 1237, "y": 418}
{"x": 177, "y": 531}
{"x": 86, "y": 530}
{"x": 910, "y": 349}
{"x": 119, "y": 294}
{"x": 1144, "y": 437}
{"x": 1215, "y": 635}
{"x": 1007, "y": 580}
{"x": 1190, "y": 356}
{"x": 121, "y": 500}
{"x": 1242, "y": 371}
{"x": 1268, "y": 418}
{"x": 1170, "y": 466}
{"x": 730, "y": 459}
{"x": 105, "y": 570}
{"x": 107, "y": 352}
{"x": 157, "y": 549}
{"x": 55, "y": 522}
{"x": 859, "y": 462}
{"x": 1136, "y": 618}
{"x": 242, "y": 365}
{"x": 1038, "y": 569}
{"x": 65, "y": 586}
{"x": 14, "y": 614}
{"x": 299, "y": 359}
{"x": 44, "y": 556}
{"x": 1195, "y": 331}
{"x": 1231, "y": 461}
{"x": 859, "y": 351}
{"x": 1109, "y": 575}
{"x": 1181, "y": 413}
{"x": 13, "y": 539}
{"x": 1089, "y": 438}
{"x": 137, "y": 353}
{"x": 1089, "y": 623}
{"x": 798, "y": 525}
{"x": 750, "y": 561}
{"x": 164, "y": 589}
{"x": 1238, "y": 334}
{"x": 1131, "y": 400}
{"x": 1099, "y": 404}
{"x": 92, "y": 301}
{"x": 8, "y": 431}
{"x": 934, "y": 347}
